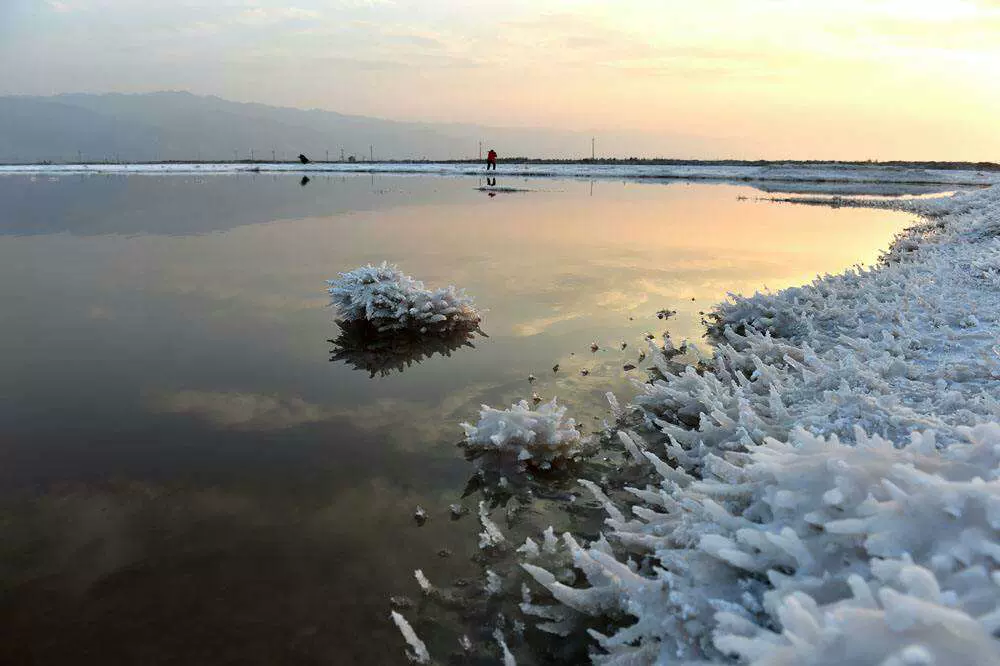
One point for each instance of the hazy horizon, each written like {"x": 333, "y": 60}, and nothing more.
{"x": 120, "y": 121}
{"x": 776, "y": 79}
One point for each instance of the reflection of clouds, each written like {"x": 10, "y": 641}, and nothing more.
{"x": 536, "y": 326}
{"x": 413, "y": 426}
{"x": 561, "y": 282}
{"x": 86, "y": 535}
{"x": 251, "y": 411}
{"x": 667, "y": 288}
{"x": 621, "y": 296}
{"x": 145, "y": 551}
{"x": 621, "y": 300}
{"x": 684, "y": 266}
{"x": 407, "y": 425}
{"x": 263, "y": 300}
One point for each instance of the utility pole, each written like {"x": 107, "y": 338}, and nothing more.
{"x": 273, "y": 157}
{"x": 79, "y": 157}
{"x": 591, "y": 149}
{"x": 251, "y": 154}
{"x": 480, "y": 151}
{"x": 341, "y": 154}
{"x": 327, "y": 154}
{"x": 371, "y": 153}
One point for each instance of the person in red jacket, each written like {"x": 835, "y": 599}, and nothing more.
{"x": 491, "y": 160}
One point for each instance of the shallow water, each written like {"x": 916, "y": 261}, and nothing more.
{"x": 187, "y": 478}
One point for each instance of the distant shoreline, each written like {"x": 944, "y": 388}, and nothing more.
{"x": 611, "y": 161}
{"x": 829, "y": 177}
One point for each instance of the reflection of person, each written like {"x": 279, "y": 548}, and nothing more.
{"x": 491, "y": 160}
{"x": 491, "y": 182}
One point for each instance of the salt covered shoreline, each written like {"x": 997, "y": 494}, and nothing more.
{"x": 818, "y": 175}
{"x": 829, "y": 485}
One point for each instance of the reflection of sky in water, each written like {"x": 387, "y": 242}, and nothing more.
{"x": 173, "y": 428}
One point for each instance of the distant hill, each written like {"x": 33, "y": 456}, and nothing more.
{"x": 172, "y": 126}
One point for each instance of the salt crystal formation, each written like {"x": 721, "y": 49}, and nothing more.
{"x": 538, "y": 437}
{"x": 389, "y": 301}
{"x": 491, "y": 536}
{"x": 417, "y": 652}
{"x": 828, "y": 485}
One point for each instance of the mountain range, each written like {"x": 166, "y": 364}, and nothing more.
{"x": 180, "y": 126}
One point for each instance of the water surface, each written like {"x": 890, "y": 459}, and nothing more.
{"x": 187, "y": 477}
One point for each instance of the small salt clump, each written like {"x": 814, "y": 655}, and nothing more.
{"x": 389, "y": 300}
{"x": 425, "y": 584}
{"x": 537, "y": 437}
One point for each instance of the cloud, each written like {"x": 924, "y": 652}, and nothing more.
{"x": 296, "y": 13}
{"x": 260, "y": 15}
{"x": 733, "y": 70}
{"x": 362, "y": 4}
{"x": 580, "y": 41}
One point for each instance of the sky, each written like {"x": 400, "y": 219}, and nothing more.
{"x": 832, "y": 79}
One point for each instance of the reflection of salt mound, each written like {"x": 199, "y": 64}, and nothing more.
{"x": 391, "y": 301}
{"x": 541, "y": 437}
{"x": 363, "y": 347}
